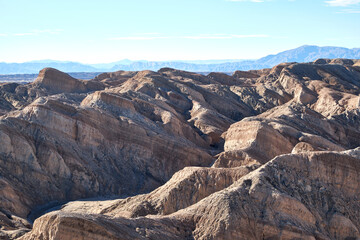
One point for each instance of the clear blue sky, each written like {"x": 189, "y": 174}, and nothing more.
{"x": 94, "y": 31}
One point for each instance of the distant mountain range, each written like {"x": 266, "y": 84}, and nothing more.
{"x": 302, "y": 54}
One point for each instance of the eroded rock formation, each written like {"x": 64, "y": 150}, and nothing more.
{"x": 257, "y": 155}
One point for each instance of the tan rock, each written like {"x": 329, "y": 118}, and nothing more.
{"x": 289, "y": 197}
{"x": 256, "y": 138}
{"x": 184, "y": 189}
{"x": 65, "y": 139}
{"x": 56, "y": 81}
{"x": 304, "y": 147}
{"x": 245, "y": 74}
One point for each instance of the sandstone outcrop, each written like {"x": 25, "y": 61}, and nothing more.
{"x": 178, "y": 155}
{"x": 184, "y": 189}
{"x": 56, "y": 81}
{"x": 292, "y": 196}
{"x": 245, "y": 74}
{"x": 114, "y": 78}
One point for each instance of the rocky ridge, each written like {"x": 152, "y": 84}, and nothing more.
{"x": 257, "y": 155}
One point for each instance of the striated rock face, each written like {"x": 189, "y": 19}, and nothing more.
{"x": 256, "y": 137}
{"x": 306, "y": 196}
{"x": 184, "y": 189}
{"x": 245, "y": 74}
{"x": 66, "y": 146}
{"x": 258, "y": 155}
{"x": 114, "y": 78}
{"x": 56, "y": 81}
{"x": 292, "y": 196}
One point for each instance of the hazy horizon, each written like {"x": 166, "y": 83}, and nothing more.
{"x": 132, "y": 60}
{"x": 195, "y": 61}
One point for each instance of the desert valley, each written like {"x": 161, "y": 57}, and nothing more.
{"x": 171, "y": 154}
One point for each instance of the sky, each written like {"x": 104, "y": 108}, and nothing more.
{"x": 100, "y": 31}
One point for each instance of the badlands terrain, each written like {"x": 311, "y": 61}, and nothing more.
{"x": 261, "y": 154}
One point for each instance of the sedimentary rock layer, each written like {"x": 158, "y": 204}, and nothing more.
{"x": 259, "y": 154}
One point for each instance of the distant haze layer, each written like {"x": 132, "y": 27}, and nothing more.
{"x": 302, "y": 54}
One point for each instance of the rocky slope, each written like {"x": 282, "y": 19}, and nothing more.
{"x": 257, "y": 155}
{"x": 313, "y": 195}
